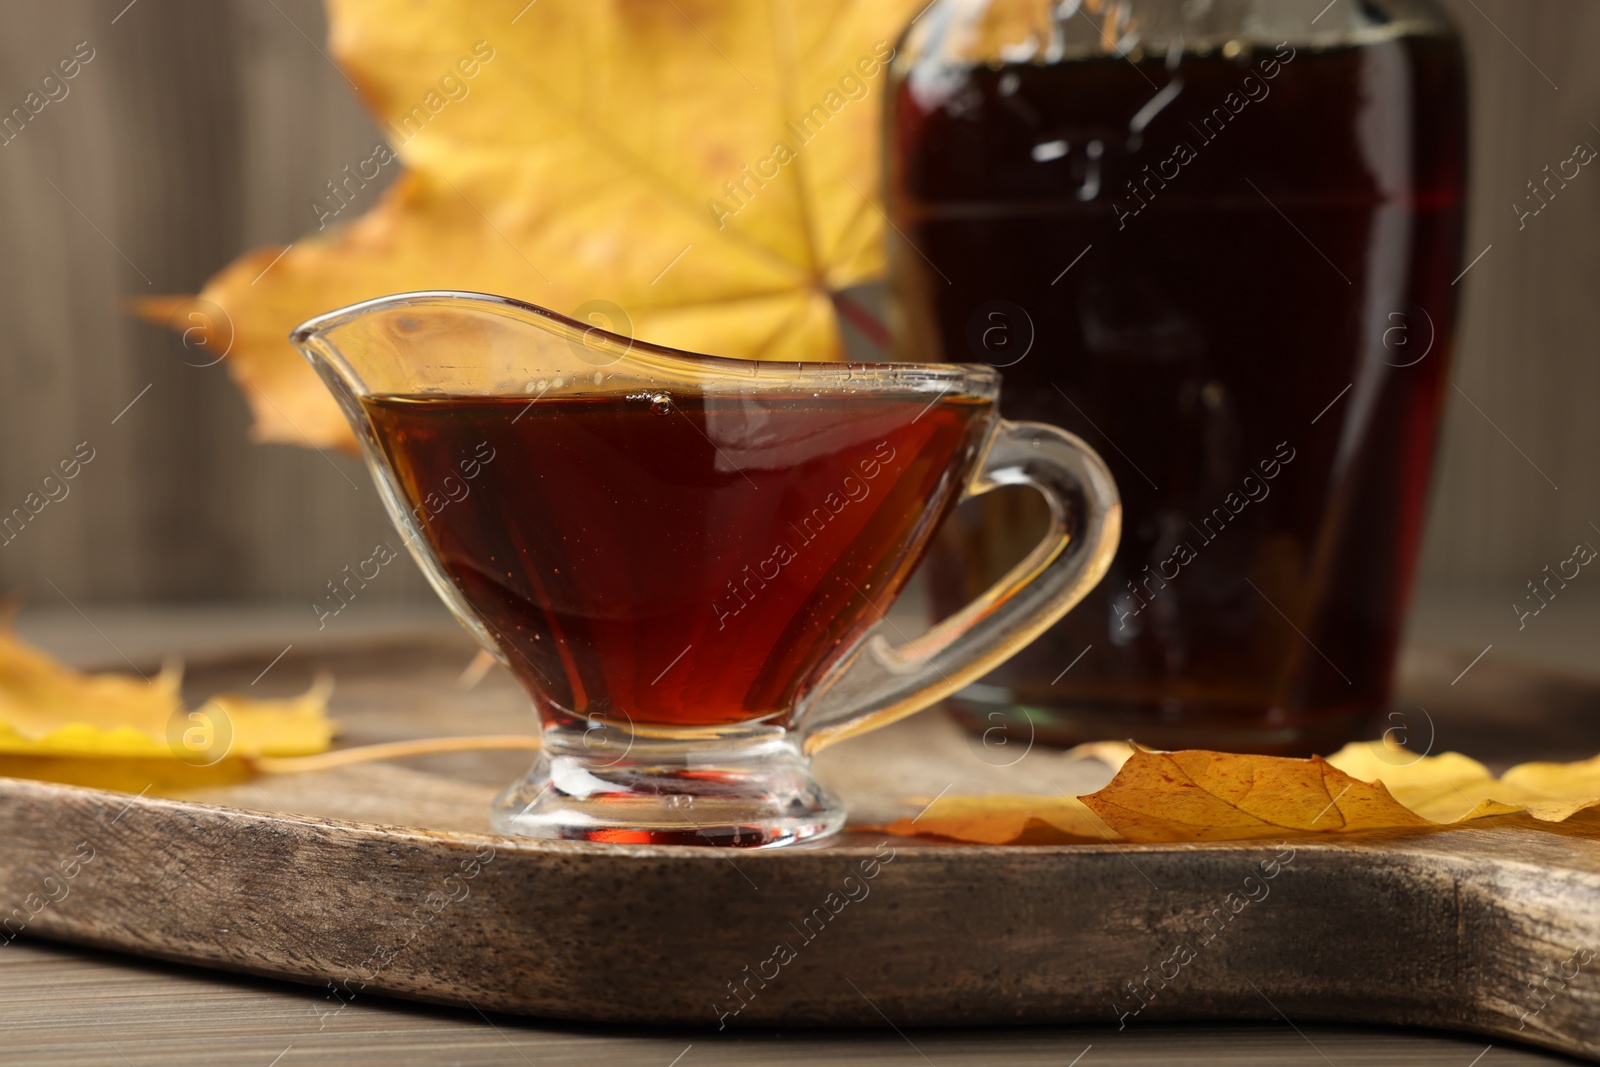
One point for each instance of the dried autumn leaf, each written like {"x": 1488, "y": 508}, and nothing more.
{"x": 1551, "y": 791}
{"x": 50, "y": 710}
{"x": 152, "y": 776}
{"x": 1217, "y": 796}
{"x": 1452, "y": 788}
{"x": 705, "y": 165}
{"x": 1006, "y": 819}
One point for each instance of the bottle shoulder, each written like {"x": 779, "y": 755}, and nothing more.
{"x": 965, "y": 33}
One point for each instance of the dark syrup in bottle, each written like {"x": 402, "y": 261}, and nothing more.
{"x": 1231, "y": 275}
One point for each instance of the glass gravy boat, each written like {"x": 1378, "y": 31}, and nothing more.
{"x": 686, "y": 560}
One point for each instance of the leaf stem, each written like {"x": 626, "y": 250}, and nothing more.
{"x": 388, "y": 750}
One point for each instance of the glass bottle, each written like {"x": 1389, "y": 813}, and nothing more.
{"x": 1217, "y": 240}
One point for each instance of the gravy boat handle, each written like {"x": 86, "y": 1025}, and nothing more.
{"x": 882, "y": 682}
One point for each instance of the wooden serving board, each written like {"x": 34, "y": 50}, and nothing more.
{"x": 384, "y": 879}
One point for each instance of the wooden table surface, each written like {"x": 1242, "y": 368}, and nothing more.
{"x": 66, "y": 1005}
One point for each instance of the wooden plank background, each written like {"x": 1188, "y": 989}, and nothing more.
{"x": 204, "y": 127}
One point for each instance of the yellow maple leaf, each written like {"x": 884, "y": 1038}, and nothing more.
{"x": 49, "y": 711}
{"x": 706, "y": 166}
{"x": 152, "y": 776}
{"x": 1452, "y": 788}
{"x": 1006, "y": 819}
{"x": 1217, "y": 796}
{"x": 1159, "y": 797}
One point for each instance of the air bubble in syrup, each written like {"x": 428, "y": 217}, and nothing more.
{"x": 661, "y": 404}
